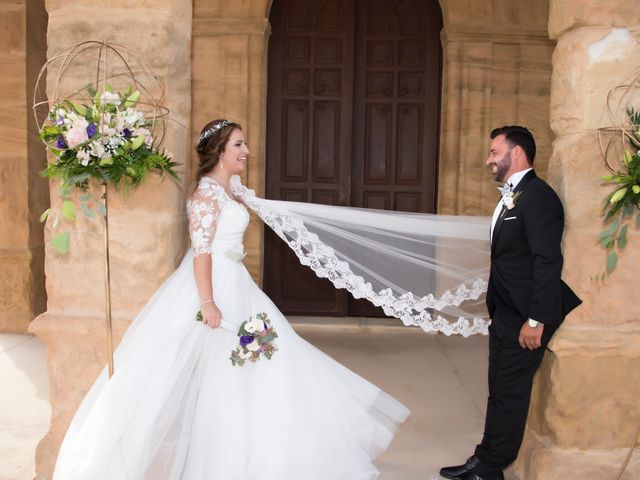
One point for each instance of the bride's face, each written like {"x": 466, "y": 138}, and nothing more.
{"x": 235, "y": 155}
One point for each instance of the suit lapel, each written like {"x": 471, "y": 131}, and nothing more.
{"x": 500, "y": 222}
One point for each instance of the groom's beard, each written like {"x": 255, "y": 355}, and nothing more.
{"x": 502, "y": 167}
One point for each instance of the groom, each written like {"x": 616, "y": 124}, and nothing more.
{"x": 526, "y": 298}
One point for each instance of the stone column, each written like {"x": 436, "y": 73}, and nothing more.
{"x": 496, "y": 71}
{"x": 147, "y": 226}
{"x": 585, "y": 405}
{"x": 230, "y": 43}
{"x": 23, "y": 194}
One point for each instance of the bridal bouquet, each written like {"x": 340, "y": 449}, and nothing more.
{"x": 256, "y": 340}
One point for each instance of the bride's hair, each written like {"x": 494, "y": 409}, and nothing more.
{"x": 211, "y": 143}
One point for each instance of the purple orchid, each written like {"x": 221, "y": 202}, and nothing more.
{"x": 246, "y": 340}
{"x": 60, "y": 142}
{"x": 126, "y": 132}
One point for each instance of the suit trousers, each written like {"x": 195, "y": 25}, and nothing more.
{"x": 511, "y": 372}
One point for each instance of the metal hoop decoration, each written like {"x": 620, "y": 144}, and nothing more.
{"x": 111, "y": 62}
{"x": 618, "y": 133}
{"x": 213, "y": 129}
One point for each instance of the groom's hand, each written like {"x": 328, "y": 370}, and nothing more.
{"x": 531, "y": 337}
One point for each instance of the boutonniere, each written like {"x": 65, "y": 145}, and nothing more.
{"x": 509, "y": 199}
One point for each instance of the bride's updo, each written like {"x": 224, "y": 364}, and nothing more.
{"x": 211, "y": 143}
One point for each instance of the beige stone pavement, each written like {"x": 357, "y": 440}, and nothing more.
{"x": 441, "y": 379}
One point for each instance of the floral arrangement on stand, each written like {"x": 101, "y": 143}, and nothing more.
{"x": 621, "y": 206}
{"x": 108, "y": 140}
{"x": 98, "y": 135}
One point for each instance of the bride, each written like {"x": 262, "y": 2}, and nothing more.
{"x": 176, "y": 407}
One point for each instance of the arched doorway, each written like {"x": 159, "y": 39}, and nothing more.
{"x": 352, "y": 119}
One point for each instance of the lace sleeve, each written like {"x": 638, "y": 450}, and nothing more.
{"x": 203, "y": 210}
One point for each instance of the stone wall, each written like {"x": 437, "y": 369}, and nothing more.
{"x": 23, "y": 194}
{"x": 585, "y": 405}
{"x": 147, "y": 226}
{"x": 496, "y": 71}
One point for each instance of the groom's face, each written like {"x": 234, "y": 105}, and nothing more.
{"x": 499, "y": 160}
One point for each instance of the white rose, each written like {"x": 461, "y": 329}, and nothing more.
{"x": 245, "y": 354}
{"x": 507, "y": 200}
{"x": 254, "y": 346}
{"x": 255, "y": 325}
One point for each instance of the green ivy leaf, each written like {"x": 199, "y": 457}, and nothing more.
{"x": 199, "y": 316}
{"x": 636, "y": 189}
{"x": 604, "y": 241}
{"x": 45, "y": 215}
{"x": 61, "y": 242}
{"x": 622, "y": 243}
{"x": 68, "y": 210}
{"x": 612, "y": 261}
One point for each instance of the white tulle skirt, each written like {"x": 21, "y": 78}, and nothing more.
{"x": 176, "y": 408}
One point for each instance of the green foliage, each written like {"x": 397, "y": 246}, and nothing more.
{"x": 621, "y": 204}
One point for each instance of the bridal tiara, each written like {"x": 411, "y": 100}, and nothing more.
{"x": 213, "y": 129}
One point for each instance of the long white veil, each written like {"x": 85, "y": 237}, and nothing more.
{"x": 426, "y": 270}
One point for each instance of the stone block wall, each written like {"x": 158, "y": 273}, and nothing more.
{"x": 23, "y": 194}
{"x": 496, "y": 71}
{"x": 585, "y": 406}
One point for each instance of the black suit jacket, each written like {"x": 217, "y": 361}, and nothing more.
{"x": 526, "y": 259}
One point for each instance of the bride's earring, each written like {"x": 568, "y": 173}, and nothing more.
{"x": 221, "y": 164}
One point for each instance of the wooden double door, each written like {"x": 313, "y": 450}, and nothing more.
{"x": 352, "y": 119}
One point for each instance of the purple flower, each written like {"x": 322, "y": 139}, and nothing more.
{"x": 126, "y": 132}
{"x": 246, "y": 340}
{"x": 60, "y": 121}
{"x": 60, "y": 143}
{"x": 92, "y": 129}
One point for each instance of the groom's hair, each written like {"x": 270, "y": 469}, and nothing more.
{"x": 517, "y": 135}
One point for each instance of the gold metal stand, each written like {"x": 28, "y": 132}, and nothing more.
{"x": 107, "y": 282}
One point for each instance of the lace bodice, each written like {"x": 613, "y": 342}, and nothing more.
{"x": 216, "y": 220}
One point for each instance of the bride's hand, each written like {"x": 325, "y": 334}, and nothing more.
{"x": 211, "y": 315}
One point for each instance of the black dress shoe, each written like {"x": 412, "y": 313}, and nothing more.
{"x": 456, "y": 472}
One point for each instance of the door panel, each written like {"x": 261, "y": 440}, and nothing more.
{"x": 352, "y": 119}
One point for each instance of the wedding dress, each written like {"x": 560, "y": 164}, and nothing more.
{"x": 176, "y": 407}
